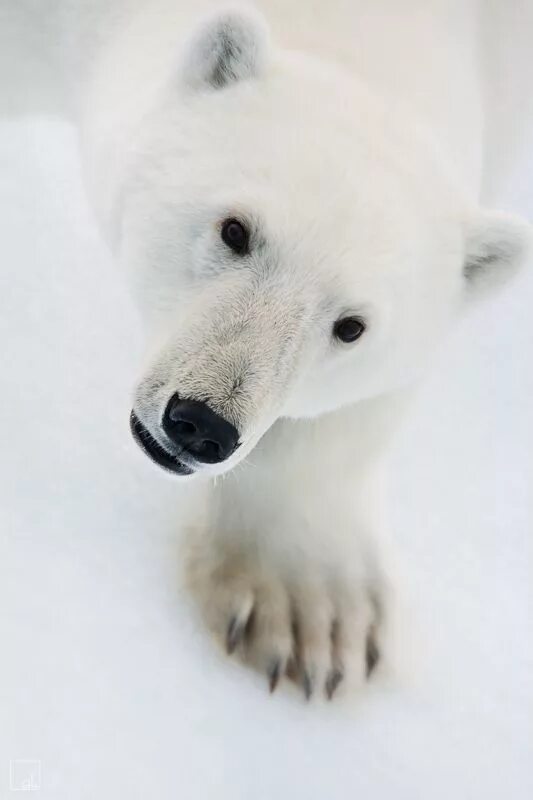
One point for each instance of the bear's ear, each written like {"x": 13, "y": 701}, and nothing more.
{"x": 228, "y": 47}
{"x": 497, "y": 245}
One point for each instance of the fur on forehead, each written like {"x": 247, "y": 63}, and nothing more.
{"x": 226, "y": 48}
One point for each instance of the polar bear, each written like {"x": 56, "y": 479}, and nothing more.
{"x": 293, "y": 190}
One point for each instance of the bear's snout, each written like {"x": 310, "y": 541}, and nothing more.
{"x": 198, "y": 431}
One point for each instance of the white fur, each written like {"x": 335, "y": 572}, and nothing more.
{"x": 350, "y": 139}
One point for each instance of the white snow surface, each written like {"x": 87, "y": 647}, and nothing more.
{"x": 106, "y": 677}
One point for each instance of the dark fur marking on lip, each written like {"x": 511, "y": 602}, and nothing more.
{"x": 154, "y": 450}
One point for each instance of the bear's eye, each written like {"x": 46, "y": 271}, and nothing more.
{"x": 349, "y": 329}
{"x": 235, "y": 235}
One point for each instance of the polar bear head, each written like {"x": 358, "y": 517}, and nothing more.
{"x": 297, "y": 246}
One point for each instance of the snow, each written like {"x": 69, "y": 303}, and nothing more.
{"x": 106, "y": 677}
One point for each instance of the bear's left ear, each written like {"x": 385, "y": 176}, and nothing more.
{"x": 497, "y": 245}
{"x": 227, "y": 47}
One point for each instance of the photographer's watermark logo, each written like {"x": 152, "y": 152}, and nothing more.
{"x": 24, "y": 775}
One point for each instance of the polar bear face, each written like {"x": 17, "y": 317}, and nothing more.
{"x": 295, "y": 245}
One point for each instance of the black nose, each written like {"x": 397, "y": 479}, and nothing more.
{"x": 197, "y": 430}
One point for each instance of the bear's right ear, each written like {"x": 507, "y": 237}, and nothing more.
{"x": 228, "y": 47}
{"x": 497, "y": 245}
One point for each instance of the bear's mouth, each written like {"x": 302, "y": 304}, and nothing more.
{"x": 154, "y": 450}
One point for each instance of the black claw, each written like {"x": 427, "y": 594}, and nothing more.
{"x": 334, "y": 678}
{"x": 234, "y": 634}
{"x": 274, "y": 675}
{"x": 291, "y": 668}
{"x": 307, "y": 685}
{"x": 372, "y": 655}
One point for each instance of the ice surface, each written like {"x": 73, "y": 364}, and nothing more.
{"x": 105, "y": 676}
